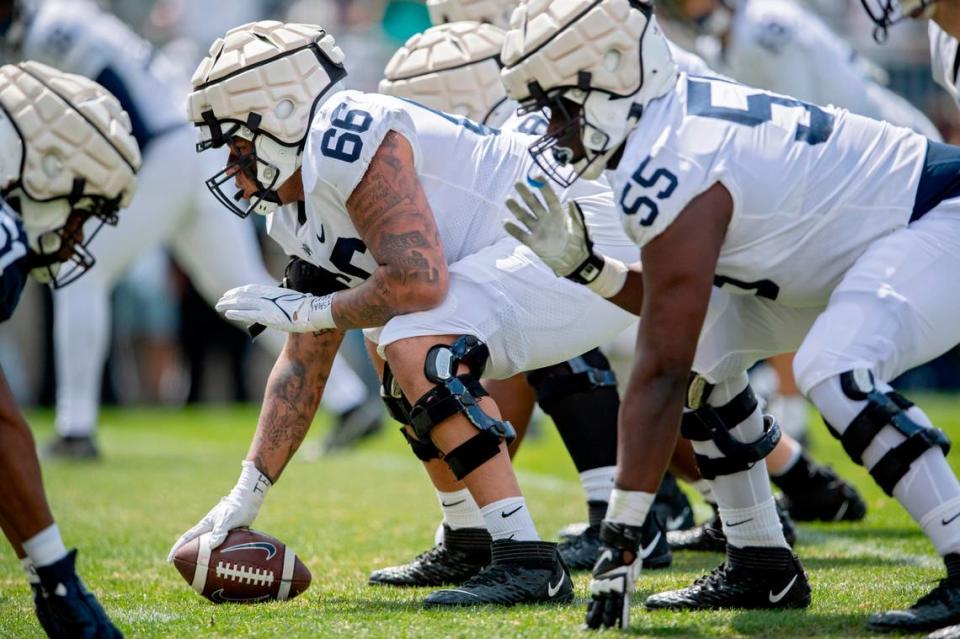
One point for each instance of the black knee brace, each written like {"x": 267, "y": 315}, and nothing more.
{"x": 884, "y": 409}
{"x": 399, "y": 408}
{"x": 580, "y": 395}
{"x": 459, "y": 394}
{"x": 704, "y": 422}
{"x": 578, "y": 375}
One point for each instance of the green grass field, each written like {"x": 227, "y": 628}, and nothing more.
{"x": 347, "y": 514}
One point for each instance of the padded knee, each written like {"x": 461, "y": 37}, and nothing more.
{"x": 578, "y": 375}
{"x": 703, "y": 422}
{"x": 884, "y": 409}
{"x": 459, "y": 394}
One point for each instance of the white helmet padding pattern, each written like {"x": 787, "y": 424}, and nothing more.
{"x": 454, "y": 68}
{"x": 495, "y": 12}
{"x": 77, "y": 155}
{"x": 263, "y": 82}
{"x": 607, "y": 56}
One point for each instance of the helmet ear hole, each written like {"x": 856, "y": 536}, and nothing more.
{"x": 284, "y": 109}
{"x": 611, "y": 60}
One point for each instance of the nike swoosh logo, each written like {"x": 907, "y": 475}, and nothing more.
{"x": 218, "y": 596}
{"x": 646, "y": 550}
{"x": 774, "y": 598}
{"x": 553, "y": 590}
{"x": 944, "y": 522}
{"x": 739, "y": 523}
{"x": 446, "y": 505}
{"x": 673, "y": 523}
{"x": 266, "y": 547}
{"x": 323, "y": 234}
{"x": 505, "y": 515}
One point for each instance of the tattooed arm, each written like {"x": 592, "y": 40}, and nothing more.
{"x": 293, "y": 394}
{"x": 391, "y": 212}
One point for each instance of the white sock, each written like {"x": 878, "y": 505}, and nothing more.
{"x": 598, "y": 482}
{"x": 46, "y": 547}
{"x": 460, "y": 510}
{"x": 510, "y": 519}
{"x": 629, "y": 506}
{"x": 754, "y": 526}
{"x": 27, "y": 564}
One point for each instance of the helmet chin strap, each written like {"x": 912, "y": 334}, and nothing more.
{"x": 595, "y": 160}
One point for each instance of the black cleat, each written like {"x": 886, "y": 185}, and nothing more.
{"x": 522, "y": 572}
{"x": 752, "y": 578}
{"x": 938, "y": 608}
{"x": 462, "y": 554}
{"x": 581, "y": 552}
{"x": 709, "y": 537}
{"x": 68, "y": 609}
{"x": 78, "y": 448}
{"x": 672, "y": 506}
{"x": 822, "y": 496}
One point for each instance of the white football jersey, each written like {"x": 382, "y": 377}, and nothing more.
{"x": 77, "y": 36}
{"x": 466, "y": 170}
{"x": 781, "y": 47}
{"x": 944, "y": 62}
{"x": 812, "y": 187}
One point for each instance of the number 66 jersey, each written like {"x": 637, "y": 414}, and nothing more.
{"x": 812, "y": 186}
{"x": 466, "y": 171}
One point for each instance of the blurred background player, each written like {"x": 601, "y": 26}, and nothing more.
{"x": 216, "y": 251}
{"x": 68, "y": 161}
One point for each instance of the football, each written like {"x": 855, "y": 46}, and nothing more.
{"x": 248, "y": 567}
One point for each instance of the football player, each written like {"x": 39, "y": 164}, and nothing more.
{"x": 397, "y": 207}
{"x": 453, "y": 68}
{"x": 68, "y": 164}
{"x": 766, "y": 225}
{"x": 217, "y": 253}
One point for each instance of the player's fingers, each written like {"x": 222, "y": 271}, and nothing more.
{"x": 219, "y": 533}
{"x": 612, "y": 610}
{"x": 517, "y": 232}
{"x": 550, "y": 197}
{"x": 245, "y": 317}
{"x": 196, "y": 531}
{"x": 594, "y": 610}
{"x": 533, "y": 203}
{"x": 522, "y": 214}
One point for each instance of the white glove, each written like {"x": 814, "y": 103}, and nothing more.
{"x": 559, "y": 237}
{"x": 239, "y": 508}
{"x": 556, "y": 233}
{"x": 279, "y": 308}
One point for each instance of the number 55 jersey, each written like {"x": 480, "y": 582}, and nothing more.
{"x": 812, "y": 186}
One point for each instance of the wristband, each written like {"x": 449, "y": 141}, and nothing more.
{"x": 603, "y": 275}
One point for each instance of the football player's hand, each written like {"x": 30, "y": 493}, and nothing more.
{"x": 614, "y": 579}
{"x": 556, "y": 233}
{"x": 279, "y": 308}
{"x": 238, "y": 509}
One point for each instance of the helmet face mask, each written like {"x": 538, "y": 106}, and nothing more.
{"x": 60, "y": 255}
{"x": 886, "y": 13}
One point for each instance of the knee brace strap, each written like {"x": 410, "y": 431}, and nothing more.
{"x": 739, "y": 456}
{"x": 884, "y": 409}
{"x": 577, "y": 375}
{"x": 459, "y": 394}
{"x": 424, "y": 449}
{"x": 397, "y": 405}
{"x": 705, "y": 423}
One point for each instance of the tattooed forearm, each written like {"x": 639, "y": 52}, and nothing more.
{"x": 391, "y": 212}
{"x": 292, "y": 396}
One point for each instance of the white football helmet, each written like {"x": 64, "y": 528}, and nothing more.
{"x": 68, "y": 155}
{"x": 455, "y": 68}
{"x": 886, "y": 13}
{"x": 495, "y": 12}
{"x": 595, "y": 64}
{"x": 263, "y": 82}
